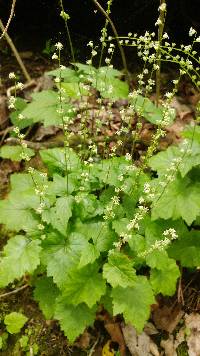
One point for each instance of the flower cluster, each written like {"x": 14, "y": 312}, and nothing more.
{"x": 160, "y": 245}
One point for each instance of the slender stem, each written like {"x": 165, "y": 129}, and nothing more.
{"x": 9, "y": 20}
{"x": 100, "y": 8}
{"x": 15, "y": 52}
{"x": 68, "y": 34}
{"x": 160, "y": 35}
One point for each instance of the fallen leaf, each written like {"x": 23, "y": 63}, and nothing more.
{"x": 107, "y": 350}
{"x": 138, "y": 345}
{"x": 84, "y": 341}
{"x": 154, "y": 349}
{"x": 168, "y": 346}
{"x": 192, "y": 322}
{"x": 150, "y": 329}
{"x": 167, "y": 318}
{"x": 182, "y": 110}
{"x": 116, "y": 335}
{"x": 45, "y": 132}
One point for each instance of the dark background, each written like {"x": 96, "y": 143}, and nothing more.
{"x": 37, "y": 21}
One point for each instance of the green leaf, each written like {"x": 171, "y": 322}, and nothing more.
{"x": 20, "y": 256}
{"x": 164, "y": 280}
{"x": 87, "y": 206}
{"x": 59, "y": 215}
{"x": 100, "y": 233}
{"x": 54, "y": 158}
{"x": 74, "y": 90}
{"x": 108, "y": 171}
{"x": 23, "y": 182}
{"x": 144, "y": 106}
{"x": 87, "y": 69}
{"x": 134, "y": 302}
{"x": 62, "y": 258}
{"x": 158, "y": 259}
{"x": 74, "y": 319}
{"x": 16, "y": 214}
{"x": 180, "y": 199}
{"x": 68, "y": 74}
{"x": 14, "y": 322}
{"x": 20, "y": 105}
{"x": 44, "y": 108}
{"x": 15, "y": 153}
{"x": 45, "y": 293}
{"x": 89, "y": 254}
{"x": 112, "y": 88}
{"x": 163, "y": 160}
{"x": 85, "y": 286}
{"x": 192, "y": 133}
{"x": 187, "y": 249}
{"x": 119, "y": 270}
{"x": 63, "y": 185}
{"x": 120, "y": 226}
{"x": 105, "y": 72}
{"x": 106, "y": 300}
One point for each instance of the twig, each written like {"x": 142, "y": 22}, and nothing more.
{"x": 73, "y": 142}
{"x": 116, "y": 37}
{"x": 9, "y": 20}
{"x": 93, "y": 347}
{"x": 4, "y": 132}
{"x": 12, "y": 89}
{"x": 15, "y": 52}
{"x": 14, "y": 291}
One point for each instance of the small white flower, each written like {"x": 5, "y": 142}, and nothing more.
{"x": 21, "y": 117}
{"x": 158, "y": 22}
{"x": 20, "y": 86}
{"x": 165, "y": 36}
{"x": 16, "y": 130}
{"x": 40, "y": 227}
{"x": 90, "y": 44}
{"x": 192, "y": 31}
{"x": 57, "y": 80}
{"x": 163, "y": 7}
{"x": 59, "y": 46}
{"x": 12, "y": 75}
{"x": 55, "y": 56}
{"x": 128, "y": 157}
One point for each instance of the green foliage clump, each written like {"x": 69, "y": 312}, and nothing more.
{"x": 74, "y": 225}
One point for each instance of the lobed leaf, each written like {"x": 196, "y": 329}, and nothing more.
{"x": 134, "y": 302}
{"x": 20, "y": 256}
{"x": 45, "y": 293}
{"x": 74, "y": 319}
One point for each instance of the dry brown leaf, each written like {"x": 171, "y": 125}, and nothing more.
{"x": 116, "y": 335}
{"x": 168, "y": 346}
{"x": 154, "y": 349}
{"x": 192, "y": 322}
{"x": 182, "y": 110}
{"x": 150, "y": 329}
{"x": 167, "y": 318}
{"x": 138, "y": 345}
{"x": 45, "y": 132}
{"x": 84, "y": 341}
